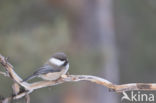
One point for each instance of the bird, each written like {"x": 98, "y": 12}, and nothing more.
{"x": 52, "y": 70}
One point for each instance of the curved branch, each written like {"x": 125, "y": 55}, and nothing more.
{"x": 30, "y": 87}
{"x": 12, "y": 74}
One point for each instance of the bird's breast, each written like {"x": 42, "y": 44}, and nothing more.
{"x": 51, "y": 76}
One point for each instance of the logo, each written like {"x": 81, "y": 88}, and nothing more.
{"x": 138, "y": 97}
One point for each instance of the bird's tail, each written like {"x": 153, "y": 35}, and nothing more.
{"x": 29, "y": 77}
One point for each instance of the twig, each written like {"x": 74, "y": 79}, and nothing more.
{"x": 30, "y": 87}
{"x": 5, "y": 74}
{"x": 12, "y": 73}
{"x": 7, "y": 100}
{"x": 27, "y": 97}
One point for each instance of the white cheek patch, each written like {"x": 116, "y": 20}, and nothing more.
{"x": 56, "y": 61}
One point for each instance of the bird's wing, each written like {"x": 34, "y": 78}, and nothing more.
{"x": 43, "y": 70}
{"x": 46, "y": 69}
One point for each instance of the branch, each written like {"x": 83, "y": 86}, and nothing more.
{"x": 5, "y": 74}
{"x": 12, "y": 73}
{"x": 30, "y": 87}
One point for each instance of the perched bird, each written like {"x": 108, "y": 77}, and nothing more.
{"x": 56, "y": 66}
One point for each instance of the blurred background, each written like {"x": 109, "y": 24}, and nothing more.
{"x": 113, "y": 39}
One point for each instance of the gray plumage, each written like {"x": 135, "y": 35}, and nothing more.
{"x": 53, "y": 69}
{"x": 43, "y": 70}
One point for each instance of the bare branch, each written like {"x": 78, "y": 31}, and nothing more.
{"x": 30, "y": 87}
{"x": 5, "y": 74}
{"x": 7, "y": 100}
{"x": 135, "y": 86}
{"x": 27, "y": 97}
{"x": 15, "y": 88}
{"x": 12, "y": 73}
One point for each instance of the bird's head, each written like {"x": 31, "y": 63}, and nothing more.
{"x": 59, "y": 59}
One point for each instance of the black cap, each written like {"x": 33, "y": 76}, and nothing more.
{"x": 60, "y": 56}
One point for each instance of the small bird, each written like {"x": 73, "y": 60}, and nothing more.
{"x": 56, "y": 66}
